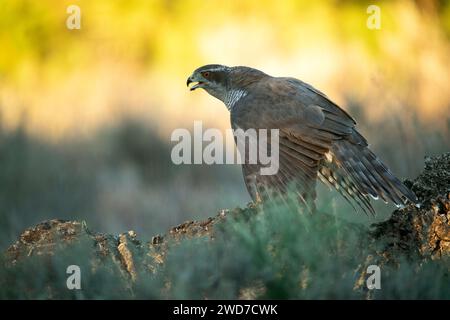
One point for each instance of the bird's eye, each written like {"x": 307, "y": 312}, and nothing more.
{"x": 205, "y": 74}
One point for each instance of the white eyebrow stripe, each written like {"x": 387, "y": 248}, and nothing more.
{"x": 216, "y": 69}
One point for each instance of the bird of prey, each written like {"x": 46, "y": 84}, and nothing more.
{"x": 317, "y": 139}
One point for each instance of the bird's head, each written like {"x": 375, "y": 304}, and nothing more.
{"x": 214, "y": 78}
{"x": 227, "y": 84}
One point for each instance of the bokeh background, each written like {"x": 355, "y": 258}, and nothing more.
{"x": 86, "y": 115}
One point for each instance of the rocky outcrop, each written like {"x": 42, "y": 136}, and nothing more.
{"x": 422, "y": 231}
{"x": 412, "y": 232}
{"x": 124, "y": 249}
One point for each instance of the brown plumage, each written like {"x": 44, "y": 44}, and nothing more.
{"x": 318, "y": 140}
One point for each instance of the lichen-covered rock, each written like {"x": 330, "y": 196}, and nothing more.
{"x": 42, "y": 238}
{"x": 423, "y": 231}
{"x": 434, "y": 181}
{"x": 412, "y": 232}
{"x": 125, "y": 249}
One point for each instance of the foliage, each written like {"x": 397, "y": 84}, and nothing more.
{"x": 274, "y": 254}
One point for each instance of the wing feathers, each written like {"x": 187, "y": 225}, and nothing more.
{"x": 346, "y": 188}
{"x": 311, "y": 127}
{"x": 372, "y": 176}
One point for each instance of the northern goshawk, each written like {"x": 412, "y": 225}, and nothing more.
{"x": 317, "y": 139}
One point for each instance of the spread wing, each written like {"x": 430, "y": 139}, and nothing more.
{"x": 317, "y": 139}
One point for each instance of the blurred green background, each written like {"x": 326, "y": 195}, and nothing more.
{"x": 86, "y": 115}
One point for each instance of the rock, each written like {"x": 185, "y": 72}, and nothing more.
{"x": 424, "y": 231}
{"x": 411, "y": 232}
{"x": 42, "y": 238}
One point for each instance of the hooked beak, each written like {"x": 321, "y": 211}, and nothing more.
{"x": 198, "y": 84}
